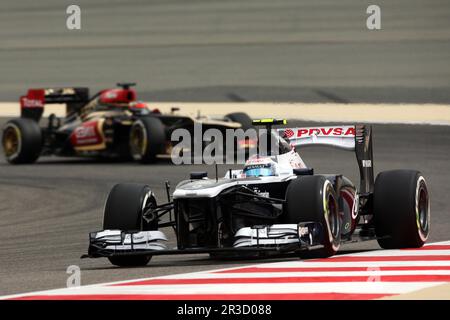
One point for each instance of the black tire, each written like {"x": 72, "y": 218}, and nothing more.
{"x": 147, "y": 139}
{"x": 242, "y": 118}
{"x": 123, "y": 210}
{"x": 313, "y": 199}
{"x": 22, "y": 141}
{"x": 129, "y": 261}
{"x": 401, "y": 209}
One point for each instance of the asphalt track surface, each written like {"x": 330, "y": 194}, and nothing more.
{"x": 267, "y": 50}
{"x": 47, "y": 209}
{"x": 203, "y": 50}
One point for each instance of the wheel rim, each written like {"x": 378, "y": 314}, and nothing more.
{"x": 333, "y": 217}
{"x": 422, "y": 209}
{"x": 138, "y": 141}
{"x": 11, "y": 141}
{"x": 148, "y": 204}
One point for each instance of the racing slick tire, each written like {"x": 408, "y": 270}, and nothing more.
{"x": 242, "y": 118}
{"x": 22, "y": 141}
{"x": 124, "y": 209}
{"x": 313, "y": 199}
{"x": 147, "y": 139}
{"x": 401, "y": 209}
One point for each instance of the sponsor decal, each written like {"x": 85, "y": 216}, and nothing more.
{"x": 340, "y": 136}
{"x": 303, "y": 231}
{"x": 289, "y": 133}
{"x": 138, "y": 237}
{"x": 111, "y": 94}
{"x": 258, "y": 160}
{"x": 295, "y": 161}
{"x": 325, "y": 131}
{"x": 86, "y": 134}
{"x": 367, "y": 163}
{"x": 31, "y": 103}
{"x": 117, "y": 96}
{"x": 261, "y": 193}
{"x": 35, "y": 98}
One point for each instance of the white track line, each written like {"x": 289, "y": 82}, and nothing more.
{"x": 373, "y": 285}
{"x": 254, "y": 288}
{"x": 368, "y": 273}
{"x": 400, "y": 253}
{"x": 369, "y": 264}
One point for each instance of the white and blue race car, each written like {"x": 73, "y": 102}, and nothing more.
{"x": 275, "y": 204}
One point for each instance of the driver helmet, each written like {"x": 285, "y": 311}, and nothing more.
{"x": 138, "y": 105}
{"x": 261, "y": 169}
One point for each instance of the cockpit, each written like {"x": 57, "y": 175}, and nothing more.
{"x": 260, "y": 170}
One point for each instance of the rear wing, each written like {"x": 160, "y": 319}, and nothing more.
{"x": 357, "y": 138}
{"x": 342, "y": 137}
{"x": 32, "y": 104}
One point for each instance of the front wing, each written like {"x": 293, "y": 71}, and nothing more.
{"x": 280, "y": 238}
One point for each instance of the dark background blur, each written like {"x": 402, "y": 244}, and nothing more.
{"x": 207, "y": 50}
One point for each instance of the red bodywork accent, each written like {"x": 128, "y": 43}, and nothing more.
{"x": 35, "y": 98}
{"x": 86, "y": 134}
{"x": 117, "y": 96}
{"x": 289, "y": 133}
{"x": 349, "y": 197}
{"x": 138, "y": 105}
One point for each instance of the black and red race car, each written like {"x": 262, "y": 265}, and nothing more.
{"x": 110, "y": 124}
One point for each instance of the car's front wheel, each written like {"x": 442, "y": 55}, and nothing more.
{"x": 124, "y": 211}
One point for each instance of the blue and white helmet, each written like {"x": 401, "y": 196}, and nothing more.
{"x": 260, "y": 167}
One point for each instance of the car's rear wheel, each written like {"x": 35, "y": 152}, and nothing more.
{"x": 147, "y": 139}
{"x": 313, "y": 199}
{"x": 401, "y": 209}
{"x": 124, "y": 211}
{"x": 22, "y": 141}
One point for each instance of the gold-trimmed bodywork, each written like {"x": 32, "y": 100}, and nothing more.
{"x": 98, "y": 146}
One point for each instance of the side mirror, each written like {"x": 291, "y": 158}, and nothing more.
{"x": 304, "y": 171}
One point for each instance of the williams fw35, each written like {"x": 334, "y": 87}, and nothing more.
{"x": 275, "y": 204}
